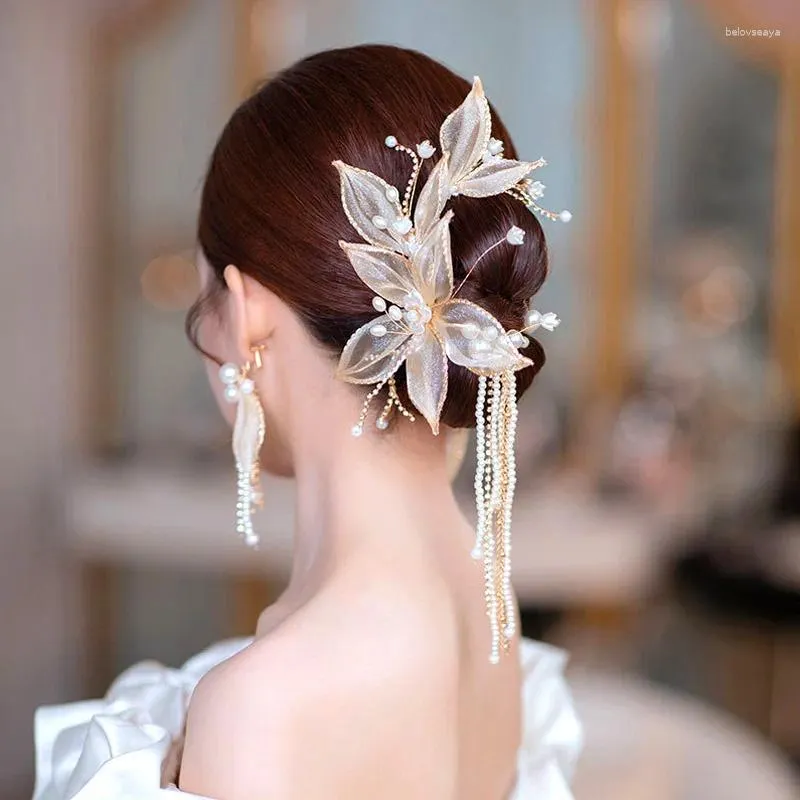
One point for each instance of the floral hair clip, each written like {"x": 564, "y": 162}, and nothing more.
{"x": 422, "y": 323}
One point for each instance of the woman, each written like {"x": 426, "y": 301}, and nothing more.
{"x": 345, "y": 259}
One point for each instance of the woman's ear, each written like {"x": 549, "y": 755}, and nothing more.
{"x": 238, "y": 310}
{"x": 252, "y": 310}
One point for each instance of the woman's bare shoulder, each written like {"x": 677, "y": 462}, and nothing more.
{"x": 323, "y": 701}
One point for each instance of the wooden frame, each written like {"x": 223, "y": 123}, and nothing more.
{"x": 613, "y": 228}
{"x": 785, "y": 318}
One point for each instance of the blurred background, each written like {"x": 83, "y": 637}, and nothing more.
{"x": 658, "y": 521}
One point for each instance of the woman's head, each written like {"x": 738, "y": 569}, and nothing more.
{"x": 271, "y": 206}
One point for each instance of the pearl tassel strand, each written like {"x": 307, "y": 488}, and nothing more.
{"x": 495, "y": 481}
{"x": 480, "y": 468}
{"x": 248, "y": 496}
{"x": 248, "y": 436}
{"x": 509, "y": 467}
{"x": 489, "y": 541}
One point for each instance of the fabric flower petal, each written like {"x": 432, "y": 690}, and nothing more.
{"x": 465, "y": 134}
{"x": 465, "y": 330}
{"x": 426, "y": 377}
{"x": 387, "y": 273}
{"x": 432, "y": 198}
{"x": 433, "y": 263}
{"x": 494, "y": 177}
{"x": 367, "y": 358}
{"x": 364, "y": 197}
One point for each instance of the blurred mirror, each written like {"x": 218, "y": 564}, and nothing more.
{"x": 170, "y": 88}
{"x": 702, "y": 400}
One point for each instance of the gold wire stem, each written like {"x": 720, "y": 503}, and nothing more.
{"x": 477, "y": 260}
{"x": 412, "y": 181}
{"x": 395, "y": 399}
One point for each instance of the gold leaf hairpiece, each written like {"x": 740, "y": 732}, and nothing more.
{"x": 407, "y": 263}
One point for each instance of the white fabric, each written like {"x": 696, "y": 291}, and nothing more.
{"x": 124, "y": 747}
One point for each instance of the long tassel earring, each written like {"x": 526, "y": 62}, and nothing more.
{"x": 495, "y": 481}
{"x": 248, "y": 437}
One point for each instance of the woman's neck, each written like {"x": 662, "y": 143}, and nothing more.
{"x": 358, "y": 494}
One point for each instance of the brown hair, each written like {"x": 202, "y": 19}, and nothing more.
{"x": 271, "y": 202}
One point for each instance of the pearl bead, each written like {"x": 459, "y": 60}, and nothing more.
{"x": 509, "y": 630}
{"x": 357, "y": 430}
{"x": 231, "y": 393}
{"x": 395, "y": 313}
{"x": 392, "y": 195}
{"x": 533, "y": 318}
{"x": 470, "y": 331}
{"x": 477, "y": 553}
{"x": 412, "y": 316}
{"x": 247, "y": 386}
{"x": 565, "y": 216}
{"x": 391, "y": 141}
{"x": 379, "y": 304}
{"x": 378, "y": 330}
{"x": 494, "y": 658}
{"x": 402, "y": 225}
{"x": 490, "y": 333}
{"x": 381, "y": 423}
{"x": 425, "y": 149}
{"x": 379, "y": 222}
{"x": 228, "y": 373}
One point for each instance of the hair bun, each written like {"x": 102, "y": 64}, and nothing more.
{"x": 508, "y": 311}
{"x": 273, "y": 156}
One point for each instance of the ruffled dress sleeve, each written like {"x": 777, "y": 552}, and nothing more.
{"x": 127, "y": 745}
{"x": 552, "y": 735}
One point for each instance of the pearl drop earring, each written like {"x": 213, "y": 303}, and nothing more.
{"x": 248, "y": 437}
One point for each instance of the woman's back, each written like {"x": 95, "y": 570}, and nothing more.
{"x": 378, "y": 685}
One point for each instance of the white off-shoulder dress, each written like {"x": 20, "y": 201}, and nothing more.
{"x": 123, "y": 746}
